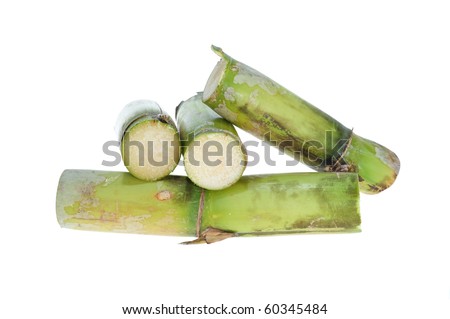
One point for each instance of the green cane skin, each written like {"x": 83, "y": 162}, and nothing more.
{"x": 283, "y": 203}
{"x": 262, "y": 107}
{"x": 195, "y": 118}
{"x": 119, "y": 202}
{"x": 255, "y": 205}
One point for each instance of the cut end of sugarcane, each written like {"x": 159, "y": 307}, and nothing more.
{"x": 214, "y": 79}
{"x": 214, "y": 160}
{"x": 151, "y": 149}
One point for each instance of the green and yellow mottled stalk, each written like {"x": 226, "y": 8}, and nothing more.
{"x": 262, "y": 107}
{"x": 214, "y": 157}
{"x": 255, "y": 205}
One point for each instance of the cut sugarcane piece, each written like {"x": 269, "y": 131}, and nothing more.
{"x": 255, "y": 205}
{"x": 214, "y": 157}
{"x": 262, "y": 107}
{"x": 150, "y": 142}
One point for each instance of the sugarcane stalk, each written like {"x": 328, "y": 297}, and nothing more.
{"x": 214, "y": 157}
{"x": 255, "y": 205}
{"x": 264, "y": 108}
{"x": 149, "y": 139}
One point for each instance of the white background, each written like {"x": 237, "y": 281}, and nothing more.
{"x": 66, "y": 70}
